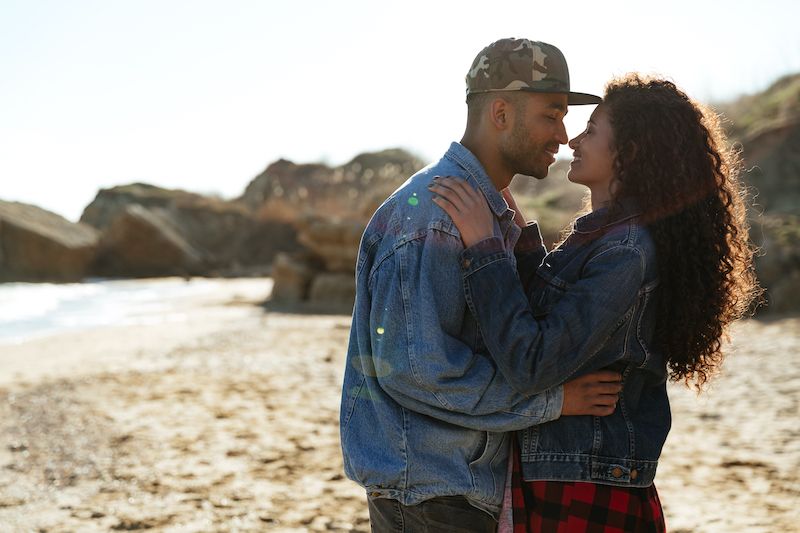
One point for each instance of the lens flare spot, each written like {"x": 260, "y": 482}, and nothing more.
{"x": 413, "y": 201}
{"x": 380, "y": 331}
{"x": 373, "y": 367}
{"x": 364, "y": 394}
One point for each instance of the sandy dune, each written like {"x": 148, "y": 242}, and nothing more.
{"x": 227, "y": 421}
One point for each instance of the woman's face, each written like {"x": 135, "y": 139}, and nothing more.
{"x": 593, "y": 162}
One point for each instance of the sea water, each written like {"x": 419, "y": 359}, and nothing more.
{"x": 29, "y": 310}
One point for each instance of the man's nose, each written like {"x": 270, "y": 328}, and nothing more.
{"x": 562, "y": 134}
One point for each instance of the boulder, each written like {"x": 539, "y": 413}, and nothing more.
{"x": 142, "y": 242}
{"x": 324, "y": 275}
{"x": 767, "y": 125}
{"x": 288, "y": 192}
{"x": 329, "y": 207}
{"x": 334, "y": 241}
{"x": 226, "y": 235}
{"x": 778, "y": 264}
{"x": 772, "y": 157}
{"x": 263, "y": 240}
{"x": 292, "y": 276}
{"x": 110, "y": 203}
{"x": 333, "y": 290}
{"x": 37, "y": 245}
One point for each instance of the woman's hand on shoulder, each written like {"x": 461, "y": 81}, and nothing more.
{"x": 466, "y": 206}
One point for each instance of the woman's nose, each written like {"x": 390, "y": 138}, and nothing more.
{"x": 574, "y": 142}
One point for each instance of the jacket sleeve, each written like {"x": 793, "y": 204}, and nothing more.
{"x": 535, "y": 354}
{"x": 425, "y": 366}
{"x": 529, "y": 252}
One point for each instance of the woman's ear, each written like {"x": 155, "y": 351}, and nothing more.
{"x": 633, "y": 149}
{"x": 625, "y": 157}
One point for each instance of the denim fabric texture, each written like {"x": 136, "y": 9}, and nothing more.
{"x": 588, "y": 306}
{"x": 425, "y": 411}
{"x": 445, "y": 514}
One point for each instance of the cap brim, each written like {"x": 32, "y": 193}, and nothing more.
{"x": 582, "y": 99}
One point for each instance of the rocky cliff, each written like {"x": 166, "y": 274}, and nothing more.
{"x": 152, "y": 231}
{"x": 37, "y": 245}
{"x": 768, "y": 127}
{"x": 290, "y": 192}
{"x": 311, "y": 213}
{"x": 329, "y": 207}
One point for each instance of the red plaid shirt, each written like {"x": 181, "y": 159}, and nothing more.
{"x": 580, "y": 507}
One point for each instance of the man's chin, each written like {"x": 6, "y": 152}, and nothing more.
{"x": 537, "y": 173}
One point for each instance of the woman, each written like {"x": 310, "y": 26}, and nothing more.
{"x": 646, "y": 283}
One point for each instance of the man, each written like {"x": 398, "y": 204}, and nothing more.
{"x": 425, "y": 412}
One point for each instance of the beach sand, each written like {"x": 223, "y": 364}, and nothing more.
{"x": 225, "y": 419}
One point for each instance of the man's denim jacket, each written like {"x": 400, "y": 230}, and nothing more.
{"x": 590, "y": 305}
{"x": 424, "y": 409}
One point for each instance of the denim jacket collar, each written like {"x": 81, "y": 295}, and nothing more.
{"x": 598, "y": 220}
{"x": 466, "y": 160}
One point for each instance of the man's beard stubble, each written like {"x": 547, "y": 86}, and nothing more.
{"x": 520, "y": 156}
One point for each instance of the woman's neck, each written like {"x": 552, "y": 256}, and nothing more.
{"x": 600, "y": 198}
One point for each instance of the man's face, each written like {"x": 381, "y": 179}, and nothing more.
{"x": 529, "y": 147}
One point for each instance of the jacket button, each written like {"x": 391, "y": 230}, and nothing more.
{"x": 616, "y": 472}
{"x": 634, "y": 474}
{"x": 466, "y": 263}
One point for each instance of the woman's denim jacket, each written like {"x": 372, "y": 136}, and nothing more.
{"x": 589, "y": 305}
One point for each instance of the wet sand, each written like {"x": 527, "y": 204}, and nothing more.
{"x": 227, "y": 421}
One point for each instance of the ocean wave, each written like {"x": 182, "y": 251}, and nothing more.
{"x": 30, "y": 310}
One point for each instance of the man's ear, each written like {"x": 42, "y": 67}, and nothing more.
{"x": 500, "y": 113}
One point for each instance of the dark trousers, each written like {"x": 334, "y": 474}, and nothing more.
{"x": 452, "y": 514}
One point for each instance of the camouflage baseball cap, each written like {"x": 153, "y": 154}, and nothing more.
{"x": 523, "y": 65}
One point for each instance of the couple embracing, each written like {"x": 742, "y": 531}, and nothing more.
{"x": 491, "y": 384}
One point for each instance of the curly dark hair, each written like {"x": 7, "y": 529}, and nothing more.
{"x": 674, "y": 160}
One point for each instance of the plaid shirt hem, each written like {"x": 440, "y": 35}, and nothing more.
{"x": 580, "y": 507}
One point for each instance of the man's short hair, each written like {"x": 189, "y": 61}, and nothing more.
{"x": 477, "y": 102}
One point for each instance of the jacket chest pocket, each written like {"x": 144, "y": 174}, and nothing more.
{"x": 546, "y": 292}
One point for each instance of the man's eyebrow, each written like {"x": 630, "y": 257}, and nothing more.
{"x": 560, "y": 107}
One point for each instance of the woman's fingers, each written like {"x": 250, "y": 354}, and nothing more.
{"x": 608, "y": 376}
{"x": 450, "y": 196}
{"x": 449, "y": 207}
{"x": 458, "y": 187}
{"x": 606, "y": 394}
{"x": 462, "y": 187}
{"x": 451, "y": 193}
{"x": 603, "y": 410}
{"x": 469, "y": 196}
{"x": 467, "y": 208}
{"x": 596, "y": 394}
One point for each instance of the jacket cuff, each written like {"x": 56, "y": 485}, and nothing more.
{"x": 482, "y": 253}
{"x": 530, "y": 239}
{"x": 555, "y": 402}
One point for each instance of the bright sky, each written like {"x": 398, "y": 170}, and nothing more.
{"x": 203, "y": 95}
